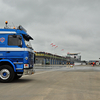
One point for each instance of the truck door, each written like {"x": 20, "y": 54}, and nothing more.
{"x": 14, "y": 48}
{"x": 3, "y": 42}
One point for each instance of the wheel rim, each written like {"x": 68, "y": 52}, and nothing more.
{"x": 4, "y": 74}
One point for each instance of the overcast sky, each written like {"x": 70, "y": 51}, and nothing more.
{"x": 72, "y": 25}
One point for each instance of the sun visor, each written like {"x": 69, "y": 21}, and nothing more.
{"x": 27, "y": 37}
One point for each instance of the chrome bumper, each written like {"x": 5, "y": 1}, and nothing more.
{"x": 29, "y": 71}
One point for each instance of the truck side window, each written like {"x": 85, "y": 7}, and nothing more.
{"x": 14, "y": 40}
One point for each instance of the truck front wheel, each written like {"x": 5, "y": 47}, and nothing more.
{"x": 6, "y": 73}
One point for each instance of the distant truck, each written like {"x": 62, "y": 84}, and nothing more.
{"x": 16, "y": 53}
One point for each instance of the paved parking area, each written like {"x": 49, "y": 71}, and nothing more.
{"x": 54, "y": 84}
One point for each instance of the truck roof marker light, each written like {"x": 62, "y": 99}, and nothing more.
{"x": 14, "y": 28}
{"x": 6, "y": 22}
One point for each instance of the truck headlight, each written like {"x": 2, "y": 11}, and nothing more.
{"x": 26, "y": 65}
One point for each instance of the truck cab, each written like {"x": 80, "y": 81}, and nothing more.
{"x": 16, "y": 54}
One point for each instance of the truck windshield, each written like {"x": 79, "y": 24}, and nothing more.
{"x": 28, "y": 44}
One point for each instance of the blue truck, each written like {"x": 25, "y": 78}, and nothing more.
{"x": 16, "y": 53}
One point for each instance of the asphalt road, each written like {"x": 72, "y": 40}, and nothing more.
{"x": 57, "y": 83}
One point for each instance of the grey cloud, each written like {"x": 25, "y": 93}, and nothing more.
{"x": 72, "y": 25}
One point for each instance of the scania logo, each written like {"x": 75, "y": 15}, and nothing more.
{"x": 26, "y": 58}
{"x": 2, "y": 39}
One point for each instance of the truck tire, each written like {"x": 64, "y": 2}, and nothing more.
{"x": 6, "y": 73}
{"x": 17, "y": 76}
